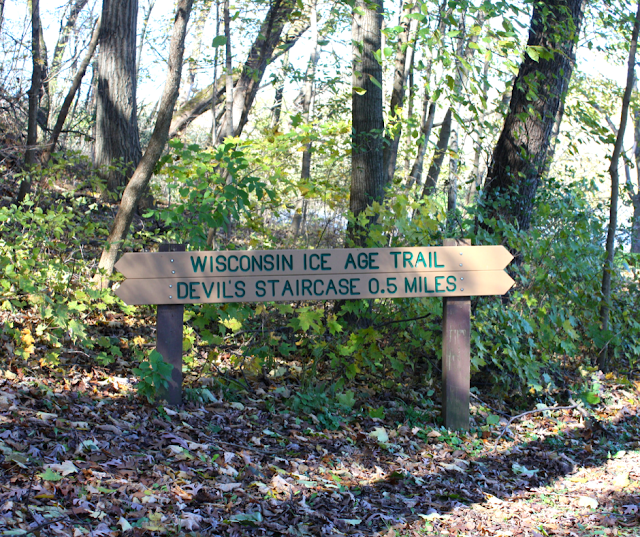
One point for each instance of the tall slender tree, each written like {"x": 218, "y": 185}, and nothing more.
{"x": 367, "y": 165}
{"x": 614, "y": 172}
{"x": 30, "y": 158}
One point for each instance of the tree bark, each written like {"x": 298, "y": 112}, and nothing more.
{"x": 30, "y": 158}
{"x": 404, "y": 60}
{"x": 521, "y": 151}
{"x": 142, "y": 174}
{"x": 71, "y": 94}
{"x": 117, "y": 147}
{"x": 367, "y": 166}
{"x": 214, "y": 118}
{"x": 615, "y": 186}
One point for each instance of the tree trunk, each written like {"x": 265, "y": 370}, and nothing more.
{"x": 307, "y": 97}
{"x": 1, "y": 13}
{"x": 228, "y": 132}
{"x": 245, "y": 90}
{"x": 63, "y": 40}
{"x": 428, "y": 113}
{"x": 276, "y": 110}
{"x": 262, "y": 53}
{"x": 521, "y": 151}
{"x": 142, "y": 174}
{"x": 367, "y": 167}
{"x": 438, "y": 156}
{"x": 404, "y": 60}
{"x": 71, "y": 94}
{"x": 34, "y": 100}
{"x": 200, "y": 21}
{"x": 117, "y": 147}
{"x": 615, "y": 186}
{"x": 635, "y": 192}
{"x": 214, "y": 118}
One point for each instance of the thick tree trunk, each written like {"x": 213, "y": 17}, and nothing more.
{"x": 521, "y": 151}
{"x": 117, "y": 147}
{"x": 71, "y": 94}
{"x": 404, "y": 60}
{"x": 30, "y": 158}
{"x": 307, "y": 97}
{"x": 367, "y": 169}
{"x": 140, "y": 179}
{"x": 615, "y": 186}
{"x": 247, "y": 83}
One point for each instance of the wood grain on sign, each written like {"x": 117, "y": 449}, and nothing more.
{"x": 456, "y": 357}
{"x": 314, "y": 287}
{"x": 269, "y": 263}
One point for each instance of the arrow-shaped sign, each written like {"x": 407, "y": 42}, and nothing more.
{"x": 314, "y": 287}
{"x": 268, "y": 263}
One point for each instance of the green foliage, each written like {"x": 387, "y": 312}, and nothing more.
{"x": 329, "y": 406}
{"x": 209, "y": 189}
{"x": 43, "y": 271}
{"x": 553, "y": 313}
{"x": 153, "y": 375}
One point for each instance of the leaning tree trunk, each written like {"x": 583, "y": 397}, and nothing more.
{"x": 404, "y": 61}
{"x": 521, "y": 151}
{"x": 117, "y": 146}
{"x": 367, "y": 170}
{"x": 63, "y": 41}
{"x": 615, "y": 186}
{"x": 438, "y": 156}
{"x": 34, "y": 100}
{"x": 142, "y": 174}
{"x": 71, "y": 94}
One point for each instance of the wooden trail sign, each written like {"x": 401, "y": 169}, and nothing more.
{"x": 172, "y": 277}
{"x": 268, "y": 263}
{"x": 314, "y": 287}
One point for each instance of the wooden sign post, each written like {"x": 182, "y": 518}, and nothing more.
{"x": 454, "y": 272}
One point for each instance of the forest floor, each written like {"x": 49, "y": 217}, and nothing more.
{"x": 81, "y": 454}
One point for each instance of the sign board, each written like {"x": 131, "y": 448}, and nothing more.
{"x": 293, "y": 275}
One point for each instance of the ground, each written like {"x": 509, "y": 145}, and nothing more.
{"x": 81, "y": 454}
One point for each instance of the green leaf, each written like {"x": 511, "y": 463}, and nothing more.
{"x": 346, "y": 399}
{"x": 359, "y": 91}
{"x": 377, "y": 413}
{"x": 50, "y": 475}
{"x": 493, "y": 419}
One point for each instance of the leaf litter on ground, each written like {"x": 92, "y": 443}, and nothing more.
{"x": 81, "y": 455}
